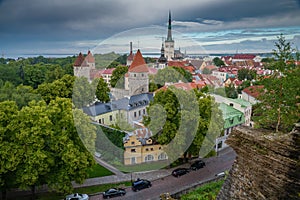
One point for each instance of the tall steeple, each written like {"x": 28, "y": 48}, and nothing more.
{"x": 169, "y": 38}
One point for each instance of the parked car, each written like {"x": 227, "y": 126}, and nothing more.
{"x": 77, "y": 196}
{"x": 197, "y": 165}
{"x": 113, "y": 192}
{"x": 140, "y": 184}
{"x": 180, "y": 171}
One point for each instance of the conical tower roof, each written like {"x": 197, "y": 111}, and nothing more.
{"x": 138, "y": 64}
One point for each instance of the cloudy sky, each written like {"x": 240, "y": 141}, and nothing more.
{"x": 212, "y": 26}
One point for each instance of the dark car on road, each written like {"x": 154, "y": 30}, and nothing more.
{"x": 180, "y": 171}
{"x": 113, "y": 192}
{"x": 140, "y": 184}
{"x": 197, "y": 165}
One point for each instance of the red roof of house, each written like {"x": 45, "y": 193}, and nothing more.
{"x": 90, "y": 58}
{"x": 152, "y": 70}
{"x": 108, "y": 71}
{"x": 190, "y": 68}
{"x": 138, "y": 64}
{"x": 185, "y": 86}
{"x": 254, "y": 90}
{"x": 177, "y": 63}
{"x": 244, "y": 56}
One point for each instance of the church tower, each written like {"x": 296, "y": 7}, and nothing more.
{"x": 169, "y": 42}
{"x": 162, "y": 61}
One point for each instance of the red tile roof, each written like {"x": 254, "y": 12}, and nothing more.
{"x": 138, "y": 64}
{"x": 244, "y": 56}
{"x": 254, "y": 91}
{"x": 108, "y": 71}
{"x": 177, "y": 63}
{"x": 185, "y": 86}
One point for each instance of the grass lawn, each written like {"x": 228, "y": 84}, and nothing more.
{"x": 208, "y": 191}
{"x": 98, "y": 171}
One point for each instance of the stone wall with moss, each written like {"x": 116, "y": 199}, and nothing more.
{"x": 267, "y": 165}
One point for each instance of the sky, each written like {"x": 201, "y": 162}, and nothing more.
{"x": 199, "y": 26}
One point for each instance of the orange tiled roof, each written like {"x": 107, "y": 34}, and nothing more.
{"x": 138, "y": 64}
{"x": 254, "y": 91}
{"x": 131, "y": 56}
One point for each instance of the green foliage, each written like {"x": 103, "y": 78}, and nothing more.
{"x": 171, "y": 75}
{"x": 104, "y": 60}
{"x": 208, "y": 191}
{"x": 21, "y": 94}
{"x": 40, "y": 145}
{"x": 102, "y": 90}
{"x": 279, "y": 105}
{"x": 114, "y": 64}
{"x": 246, "y": 74}
{"x": 218, "y": 62}
{"x": 231, "y": 92}
{"x": 83, "y": 92}
{"x": 152, "y": 87}
{"x": 59, "y": 88}
{"x": 244, "y": 85}
{"x": 98, "y": 171}
{"x": 279, "y": 102}
{"x": 118, "y": 79}
{"x": 109, "y": 143}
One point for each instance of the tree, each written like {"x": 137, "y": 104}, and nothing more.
{"x": 246, "y": 74}
{"x": 40, "y": 144}
{"x": 206, "y": 71}
{"x": 59, "y": 88}
{"x": 218, "y": 62}
{"x": 280, "y": 100}
{"x": 83, "y": 92}
{"x": 178, "y": 125}
{"x": 102, "y": 90}
{"x": 231, "y": 92}
{"x": 117, "y": 78}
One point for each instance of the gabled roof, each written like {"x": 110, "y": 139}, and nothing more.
{"x": 138, "y": 64}
{"x": 177, "y": 63}
{"x": 254, "y": 91}
{"x": 108, "y": 71}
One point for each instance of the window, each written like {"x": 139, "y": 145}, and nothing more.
{"x": 144, "y": 111}
{"x": 139, "y": 113}
{"x": 132, "y": 142}
{"x": 133, "y": 150}
{"x": 149, "y": 158}
{"x": 147, "y": 149}
{"x": 162, "y": 156}
{"x": 102, "y": 120}
{"x": 133, "y": 160}
{"x": 151, "y": 149}
{"x": 231, "y": 104}
{"x": 99, "y": 121}
{"x": 231, "y": 121}
{"x": 134, "y": 114}
{"x": 110, "y": 117}
{"x": 134, "y": 75}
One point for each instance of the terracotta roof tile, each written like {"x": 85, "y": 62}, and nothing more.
{"x": 254, "y": 91}
{"x": 138, "y": 64}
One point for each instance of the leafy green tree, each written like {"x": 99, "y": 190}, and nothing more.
{"x": 186, "y": 74}
{"x": 59, "y": 88}
{"x": 54, "y": 72}
{"x": 279, "y": 105}
{"x": 10, "y": 150}
{"x": 171, "y": 75}
{"x": 218, "y": 62}
{"x": 114, "y": 64}
{"x": 34, "y": 75}
{"x": 102, "y": 91}
{"x": 231, "y": 91}
{"x": 83, "y": 92}
{"x": 152, "y": 87}
{"x": 41, "y": 144}
{"x": 117, "y": 79}
{"x": 246, "y": 74}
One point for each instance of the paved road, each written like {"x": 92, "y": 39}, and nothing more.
{"x": 171, "y": 184}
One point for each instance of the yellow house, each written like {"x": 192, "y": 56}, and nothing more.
{"x": 141, "y": 150}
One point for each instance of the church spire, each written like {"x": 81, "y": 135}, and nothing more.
{"x": 169, "y": 38}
